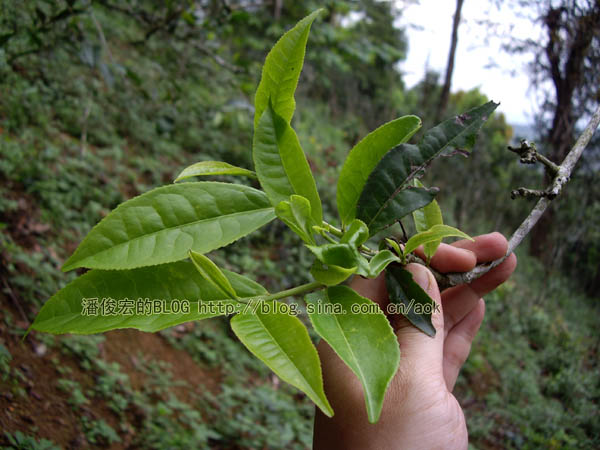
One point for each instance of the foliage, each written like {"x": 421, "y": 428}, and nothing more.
{"x": 141, "y": 243}
{"x": 21, "y": 441}
{"x": 182, "y": 95}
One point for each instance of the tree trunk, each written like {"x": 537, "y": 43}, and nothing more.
{"x": 443, "y": 102}
{"x": 566, "y": 77}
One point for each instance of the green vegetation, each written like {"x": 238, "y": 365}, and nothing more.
{"x": 94, "y": 118}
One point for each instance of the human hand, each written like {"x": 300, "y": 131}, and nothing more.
{"x": 419, "y": 410}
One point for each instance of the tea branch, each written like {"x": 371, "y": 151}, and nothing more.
{"x": 561, "y": 174}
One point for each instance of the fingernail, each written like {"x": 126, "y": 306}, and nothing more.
{"x": 420, "y": 275}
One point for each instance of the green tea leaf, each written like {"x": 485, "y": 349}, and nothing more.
{"x": 394, "y": 245}
{"x": 381, "y": 206}
{"x": 380, "y": 261}
{"x": 388, "y": 195}
{"x": 342, "y": 255}
{"x": 281, "y": 341}
{"x": 437, "y": 232}
{"x": 169, "y": 284}
{"x": 296, "y": 213}
{"x": 364, "y": 341}
{"x": 211, "y": 273}
{"x": 425, "y": 218}
{"x": 281, "y": 71}
{"x": 330, "y": 274}
{"x": 411, "y": 300}
{"x": 363, "y": 158}
{"x": 280, "y": 163}
{"x": 356, "y": 234}
{"x": 163, "y": 224}
{"x": 212, "y": 168}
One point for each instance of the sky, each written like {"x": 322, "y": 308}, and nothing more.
{"x": 429, "y": 25}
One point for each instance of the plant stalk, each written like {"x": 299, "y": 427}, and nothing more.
{"x": 298, "y": 290}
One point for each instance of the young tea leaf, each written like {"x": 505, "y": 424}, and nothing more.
{"x": 212, "y": 168}
{"x": 380, "y": 261}
{"x": 412, "y": 301}
{"x": 342, "y": 255}
{"x": 296, "y": 214}
{"x": 363, "y": 158}
{"x": 364, "y": 341}
{"x": 281, "y": 71}
{"x": 163, "y": 224}
{"x": 281, "y": 341}
{"x": 424, "y": 219}
{"x": 166, "y": 286}
{"x": 280, "y": 163}
{"x": 356, "y": 234}
{"x": 330, "y": 274}
{"x": 437, "y": 232}
{"x": 388, "y": 195}
{"x": 211, "y": 273}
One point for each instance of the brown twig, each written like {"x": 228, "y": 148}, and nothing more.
{"x": 561, "y": 178}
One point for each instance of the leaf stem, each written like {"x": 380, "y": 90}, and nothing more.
{"x": 298, "y": 290}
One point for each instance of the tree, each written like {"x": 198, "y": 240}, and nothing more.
{"x": 443, "y": 102}
{"x": 568, "y": 57}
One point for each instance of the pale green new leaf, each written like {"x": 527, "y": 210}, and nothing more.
{"x": 211, "y": 272}
{"x": 281, "y": 341}
{"x": 280, "y": 163}
{"x": 342, "y": 255}
{"x": 433, "y": 234}
{"x": 380, "y": 261}
{"x": 363, "y": 158}
{"x": 330, "y": 274}
{"x": 356, "y": 234}
{"x": 213, "y": 168}
{"x": 62, "y": 313}
{"x": 394, "y": 245}
{"x": 163, "y": 224}
{"x": 365, "y": 342}
{"x": 296, "y": 214}
{"x": 281, "y": 71}
{"x": 425, "y": 218}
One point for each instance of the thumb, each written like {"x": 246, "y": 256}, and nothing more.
{"x": 423, "y": 352}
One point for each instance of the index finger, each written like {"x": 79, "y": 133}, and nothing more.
{"x": 487, "y": 247}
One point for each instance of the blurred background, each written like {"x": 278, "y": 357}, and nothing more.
{"x": 101, "y": 100}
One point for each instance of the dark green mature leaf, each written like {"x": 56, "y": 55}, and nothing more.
{"x": 280, "y": 163}
{"x": 388, "y": 195}
{"x": 205, "y": 168}
{"x": 281, "y": 341}
{"x": 211, "y": 272}
{"x": 424, "y": 219}
{"x": 363, "y": 158}
{"x": 364, "y": 341}
{"x": 168, "y": 283}
{"x": 411, "y": 300}
{"x": 163, "y": 224}
{"x": 296, "y": 214}
{"x": 435, "y": 233}
{"x": 380, "y": 205}
{"x": 281, "y": 71}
